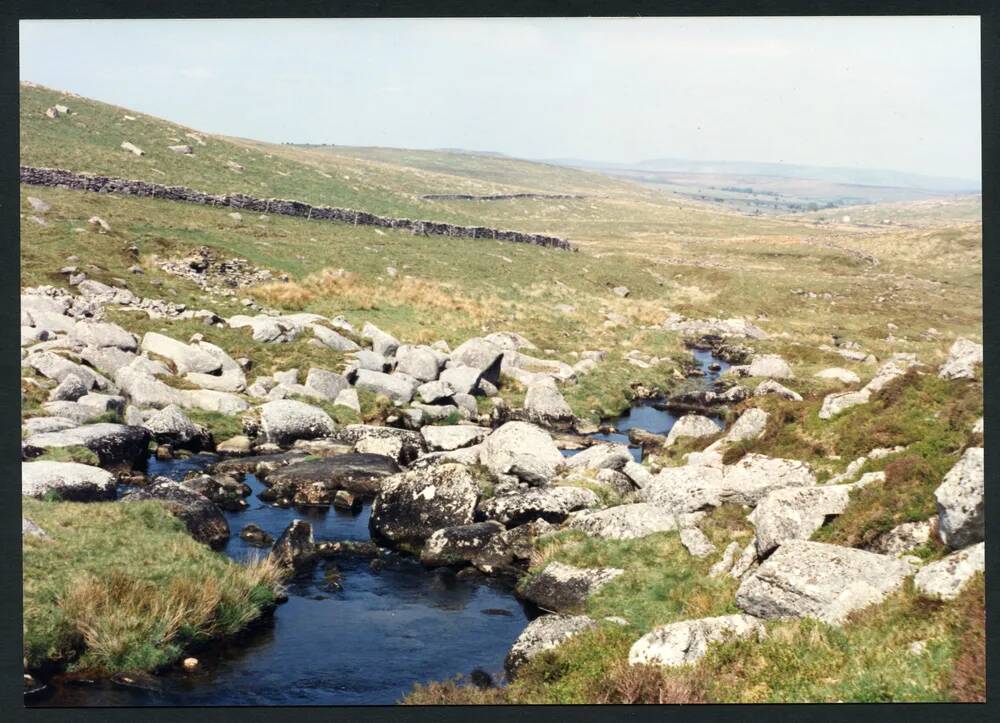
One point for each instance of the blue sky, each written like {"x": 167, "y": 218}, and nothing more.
{"x": 897, "y": 93}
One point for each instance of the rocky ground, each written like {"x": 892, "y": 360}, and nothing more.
{"x": 460, "y": 478}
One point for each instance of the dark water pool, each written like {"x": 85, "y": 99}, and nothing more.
{"x": 366, "y": 642}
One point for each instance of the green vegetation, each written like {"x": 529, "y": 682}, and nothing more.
{"x": 119, "y": 587}
{"x": 78, "y": 454}
{"x": 868, "y": 660}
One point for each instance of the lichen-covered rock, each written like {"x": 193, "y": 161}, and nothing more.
{"x": 522, "y": 450}
{"x": 691, "y": 425}
{"x": 103, "y": 334}
{"x": 171, "y": 426}
{"x": 398, "y": 388}
{"x": 552, "y": 504}
{"x": 696, "y": 542}
{"x": 509, "y": 552}
{"x": 624, "y": 522}
{"x": 186, "y": 357}
{"x": 412, "y": 505}
{"x": 696, "y": 487}
{"x": 203, "y": 519}
{"x": 286, "y": 420}
{"x": 563, "y": 588}
{"x": 684, "y": 642}
{"x": 961, "y": 518}
{"x": 458, "y": 545}
{"x": 453, "y": 436}
{"x": 114, "y": 444}
{"x": 332, "y": 339}
{"x": 544, "y": 403}
{"x": 769, "y": 386}
{"x": 325, "y": 384}
{"x": 382, "y": 343}
{"x": 421, "y": 363}
{"x": 795, "y": 513}
{"x": 69, "y": 480}
{"x": 812, "y": 579}
{"x": 945, "y": 578}
{"x": 963, "y": 356}
{"x": 839, "y": 373}
{"x": 600, "y": 456}
{"x": 902, "y": 539}
{"x": 255, "y": 535}
{"x": 543, "y": 633}
{"x": 295, "y": 549}
{"x": 361, "y": 474}
{"x": 482, "y": 355}
{"x": 412, "y": 443}
{"x": 767, "y": 365}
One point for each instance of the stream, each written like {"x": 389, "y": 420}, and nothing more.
{"x": 366, "y": 641}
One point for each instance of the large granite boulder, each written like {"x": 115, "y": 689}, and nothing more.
{"x": 562, "y": 588}
{"x": 522, "y": 450}
{"x": 544, "y": 403}
{"x": 446, "y": 438}
{"x": 458, "y": 545}
{"x": 103, "y": 334}
{"x": 399, "y": 389}
{"x": 961, "y": 514}
{"x": 411, "y": 506}
{"x": 114, "y": 444}
{"x": 795, "y": 513}
{"x": 203, "y": 519}
{"x": 812, "y": 579}
{"x": 411, "y": 444}
{"x": 684, "y": 642}
{"x": 286, "y": 420}
{"x": 68, "y": 480}
{"x": 482, "y": 355}
{"x": 382, "y": 342}
{"x": 185, "y": 357}
{"x": 171, "y": 426}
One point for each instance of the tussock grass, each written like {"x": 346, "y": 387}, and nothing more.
{"x": 74, "y": 453}
{"x": 124, "y": 587}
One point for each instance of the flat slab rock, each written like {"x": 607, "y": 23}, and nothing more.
{"x": 112, "y": 443}
{"x": 812, "y": 579}
{"x": 354, "y": 472}
{"x": 685, "y": 642}
{"x": 624, "y": 522}
{"x": 552, "y": 504}
{"x": 563, "y": 588}
{"x": 69, "y": 480}
{"x": 695, "y": 487}
{"x": 541, "y": 634}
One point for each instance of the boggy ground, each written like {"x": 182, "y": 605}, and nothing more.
{"x": 913, "y": 286}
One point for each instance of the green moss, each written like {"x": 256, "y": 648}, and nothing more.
{"x": 78, "y": 454}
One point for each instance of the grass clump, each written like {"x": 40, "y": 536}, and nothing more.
{"x": 74, "y": 453}
{"x": 124, "y": 588}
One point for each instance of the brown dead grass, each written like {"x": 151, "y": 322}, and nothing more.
{"x": 647, "y": 684}
{"x": 349, "y": 289}
{"x": 968, "y": 680}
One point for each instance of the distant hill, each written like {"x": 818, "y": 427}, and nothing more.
{"x": 830, "y": 174}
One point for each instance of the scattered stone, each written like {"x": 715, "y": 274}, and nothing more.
{"x": 30, "y": 529}
{"x": 725, "y": 563}
{"x": 451, "y": 437}
{"x": 344, "y": 500}
{"x": 69, "y": 389}
{"x": 840, "y": 374}
{"x": 685, "y": 642}
{"x": 696, "y": 543}
{"x": 255, "y": 535}
{"x": 945, "y": 578}
{"x": 795, "y": 513}
{"x": 543, "y": 633}
{"x": 132, "y": 148}
{"x": 769, "y": 386}
{"x": 398, "y": 389}
{"x": 295, "y": 549}
{"x": 902, "y": 539}
{"x": 544, "y": 404}
{"x": 963, "y": 356}
{"x": 182, "y": 149}
{"x": 621, "y": 291}
{"x": 382, "y": 343}
{"x": 691, "y": 425}
{"x": 961, "y": 518}
{"x": 562, "y": 588}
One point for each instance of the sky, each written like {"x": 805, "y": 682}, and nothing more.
{"x": 896, "y": 93}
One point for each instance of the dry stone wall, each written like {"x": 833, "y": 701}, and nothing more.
{"x": 58, "y": 178}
